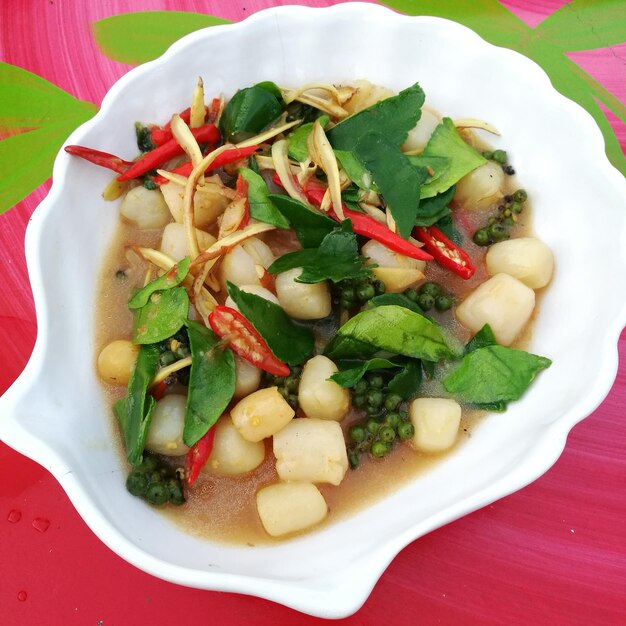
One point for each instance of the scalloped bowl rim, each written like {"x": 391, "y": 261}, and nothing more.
{"x": 325, "y": 594}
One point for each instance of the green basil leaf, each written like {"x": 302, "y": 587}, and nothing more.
{"x": 392, "y": 328}
{"x": 494, "y": 374}
{"x": 446, "y": 142}
{"x": 446, "y": 226}
{"x": 397, "y": 299}
{"x": 350, "y": 377}
{"x": 249, "y": 111}
{"x": 272, "y": 88}
{"x": 311, "y": 227}
{"x": 436, "y": 166}
{"x": 397, "y": 179}
{"x": 407, "y": 382}
{"x": 134, "y": 411}
{"x": 170, "y": 279}
{"x": 431, "y": 210}
{"x": 211, "y": 381}
{"x": 261, "y": 207}
{"x": 288, "y": 342}
{"x": 298, "y": 149}
{"x": 393, "y": 117}
{"x": 356, "y": 171}
{"x": 163, "y": 316}
{"x": 483, "y": 338}
{"x": 337, "y": 258}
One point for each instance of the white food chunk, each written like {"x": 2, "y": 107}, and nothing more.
{"x": 165, "y": 435}
{"x": 319, "y": 397}
{"x": 289, "y": 507}
{"x": 261, "y": 414}
{"x": 436, "y": 422}
{"x": 301, "y": 300}
{"x": 503, "y": 302}
{"x": 174, "y": 241}
{"x": 479, "y": 189}
{"x": 311, "y": 450}
{"x": 396, "y": 279}
{"x": 418, "y": 136}
{"x": 232, "y": 454}
{"x": 238, "y": 266}
{"x": 208, "y": 204}
{"x": 257, "y": 290}
{"x": 116, "y": 361}
{"x": 145, "y": 208}
{"x": 396, "y": 271}
{"x": 525, "y": 258}
{"x": 247, "y": 378}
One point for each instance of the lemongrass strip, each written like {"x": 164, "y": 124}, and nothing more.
{"x": 164, "y": 372}
{"x": 198, "y": 111}
{"x": 470, "y": 122}
{"x": 307, "y": 171}
{"x": 289, "y": 95}
{"x": 391, "y": 222}
{"x": 185, "y": 139}
{"x": 327, "y": 106}
{"x": 200, "y": 279}
{"x": 267, "y": 134}
{"x": 224, "y": 245}
{"x": 280, "y": 156}
{"x": 374, "y": 212}
{"x": 115, "y": 189}
{"x": 329, "y": 165}
{"x": 267, "y": 163}
{"x": 232, "y": 217}
{"x": 220, "y": 110}
{"x": 345, "y": 93}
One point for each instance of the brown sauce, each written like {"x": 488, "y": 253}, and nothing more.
{"x": 224, "y": 508}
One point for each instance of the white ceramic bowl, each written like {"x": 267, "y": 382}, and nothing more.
{"x": 55, "y": 413}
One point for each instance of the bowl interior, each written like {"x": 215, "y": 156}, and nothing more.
{"x": 57, "y": 412}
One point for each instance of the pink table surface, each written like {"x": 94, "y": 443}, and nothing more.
{"x": 553, "y": 553}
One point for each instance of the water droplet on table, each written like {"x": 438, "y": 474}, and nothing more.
{"x": 14, "y": 516}
{"x": 21, "y": 596}
{"x": 41, "y": 524}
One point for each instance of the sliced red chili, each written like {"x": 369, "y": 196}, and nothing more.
{"x": 244, "y": 340}
{"x": 367, "y": 226}
{"x": 158, "y": 391}
{"x": 198, "y": 455}
{"x": 161, "y": 135}
{"x": 151, "y": 160}
{"x": 214, "y": 110}
{"x": 242, "y": 190}
{"x": 104, "y": 159}
{"x": 224, "y": 158}
{"x": 444, "y": 251}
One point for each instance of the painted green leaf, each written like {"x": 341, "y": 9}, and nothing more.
{"x": 135, "y": 38}
{"x": 585, "y": 25}
{"x": 37, "y": 116}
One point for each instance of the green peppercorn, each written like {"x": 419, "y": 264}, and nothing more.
{"x": 405, "y": 430}
{"x": 376, "y": 381}
{"x": 291, "y": 384}
{"x": 120, "y": 275}
{"x": 348, "y": 293}
{"x": 379, "y": 449}
{"x": 167, "y": 358}
{"x": 430, "y": 289}
{"x": 375, "y": 398}
{"x": 347, "y": 304}
{"x": 284, "y": 392}
{"x": 411, "y": 294}
{"x": 508, "y": 170}
{"x": 359, "y": 400}
{"x": 137, "y": 483}
{"x": 507, "y": 222}
{"x": 372, "y": 426}
{"x": 353, "y": 458}
{"x": 403, "y": 414}
{"x": 492, "y": 220}
{"x": 443, "y": 302}
{"x": 379, "y": 287}
{"x": 182, "y": 351}
{"x": 148, "y": 183}
{"x": 175, "y": 491}
{"x": 148, "y": 464}
{"x": 365, "y": 292}
{"x": 392, "y": 401}
{"x": 500, "y": 156}
{"x": 157, "y": 493}
{"x": 360, "y": 387}
{"x": 516, "y": 207}
{"x": 506, "y": 212}
{"x": 392, "y": 419}
{"x": 386, "y": 434}
{"x": 498, "y": 232}
{"x": 488, "y": 154}
{"x": 357, "y": 433}
{"x": 426, "y": 301}
{"x": 520, "y": 195}
{"x": 372, "y": 411}
{"x": 481, "y": 237}
{"x": 292, "y": 400}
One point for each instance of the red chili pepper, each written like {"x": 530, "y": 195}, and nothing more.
{"x": 214, "y": 110}
{"x": 198, "y": 455}
{"x": 104, "y": 159}
{"x": 162, "y": 135}
{"x": 367, "y": 226}
{"x": 203, "y": 134}
{"x": 244, "y": 340}
{"x": 158, "y": 391}
{"x": 444, "y": 251}
{"x": 224, "y": 158}
{"x": 242, "y": 190}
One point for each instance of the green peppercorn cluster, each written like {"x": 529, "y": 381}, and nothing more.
{"x": 352, "y": 293}
{"x": 287, "y": 385}
{"x": 500, "y": 157}
{"x": 497, "y": 228}
{"x": 386, "y": 422}
{"x": 430, "y": 295}
{"x": 172, "y": 350}
{"x": 155, "y": 482}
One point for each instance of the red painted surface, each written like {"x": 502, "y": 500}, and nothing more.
{"x": 553, "y": 553}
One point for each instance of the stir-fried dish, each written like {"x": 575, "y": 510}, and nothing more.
{"x": 319, "y": 278}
